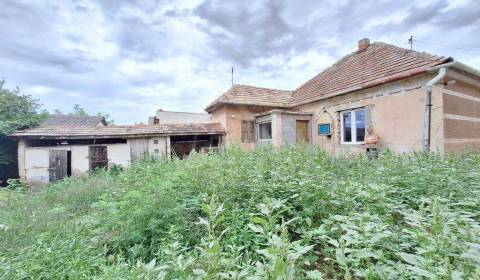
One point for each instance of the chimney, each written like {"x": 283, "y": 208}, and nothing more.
{"x": 363, "y": 44}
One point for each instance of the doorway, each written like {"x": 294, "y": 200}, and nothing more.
{"x": 60, "y": 165}
{"x": 302, "y": 131}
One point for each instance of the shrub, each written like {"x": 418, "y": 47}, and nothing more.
{"x": 293, "y": 213}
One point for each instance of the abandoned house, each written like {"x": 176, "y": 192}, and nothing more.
{"x": 73, "y": 145}
{"x": 413, "y": 101}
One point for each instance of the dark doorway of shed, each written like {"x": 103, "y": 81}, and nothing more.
{"x": 60, "y": 165}
{"x": 182, "y": 146}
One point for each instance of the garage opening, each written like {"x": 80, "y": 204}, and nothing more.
{"x": 182, "y": 146}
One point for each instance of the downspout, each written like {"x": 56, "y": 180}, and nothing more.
{"x": 442, "y": 69}
{"x": 427, "y": 117}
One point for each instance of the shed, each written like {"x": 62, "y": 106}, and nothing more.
{"x": 51, "y": 152}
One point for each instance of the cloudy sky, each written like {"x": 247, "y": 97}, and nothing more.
{"x": 128, "y": 58}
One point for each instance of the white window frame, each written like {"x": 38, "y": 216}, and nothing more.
{"x": 258, "y": 132}
{"x": 353, "y": 126}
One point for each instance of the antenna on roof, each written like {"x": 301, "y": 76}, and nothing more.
{"x": 232, "y": 75}
{"x": 410, "y": 41}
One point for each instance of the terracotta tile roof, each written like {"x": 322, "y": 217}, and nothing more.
{"x": 73, "y": 120}
{"x": 378, "y": 63}
{"x": 250, "y": 95}
{"x": 120, "y": 131}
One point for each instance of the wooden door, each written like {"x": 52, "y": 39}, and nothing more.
{"x": 302, "y": 132}
{"x": 138, "y": 148}
{"x": 58, "y": 165}
{"x": 98, "y": 157}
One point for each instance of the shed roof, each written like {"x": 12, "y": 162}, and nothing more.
{"x": 250, "y": 95}
{"x": 74, "y": 120}
{"x": 68, "y": 132}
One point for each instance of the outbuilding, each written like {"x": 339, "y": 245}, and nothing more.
{"x": 51, "y": 152}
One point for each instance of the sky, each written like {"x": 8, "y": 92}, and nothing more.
{"x": 130, "y": 58}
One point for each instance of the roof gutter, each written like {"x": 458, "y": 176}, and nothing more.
{"x": 442, "y": 70}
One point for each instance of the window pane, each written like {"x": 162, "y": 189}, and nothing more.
{"x": 265, "y": 130}
{"x": 347, "y": 127}
{"x": 360, "y": 125}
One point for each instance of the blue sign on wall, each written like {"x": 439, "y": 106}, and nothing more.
{"x": 324, "y": 129}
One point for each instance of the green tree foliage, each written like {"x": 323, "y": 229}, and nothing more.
{"x": 78, "y": 111}
{"x": 17, "y": 111}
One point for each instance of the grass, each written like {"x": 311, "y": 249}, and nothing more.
{"x": 296, "y": 213}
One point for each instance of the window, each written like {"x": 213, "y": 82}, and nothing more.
{"x": 353, "y": 126}
{"x": 98, "y": 157}
{"x": 155, "y": 142}
{"x": 265, "y": 131}
{"x": 157, "y": 151}
{"x": 248, "y": 131}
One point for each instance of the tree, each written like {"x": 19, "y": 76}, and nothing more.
{"x": 78, "y": 111}
{"x": 17, "y": 111}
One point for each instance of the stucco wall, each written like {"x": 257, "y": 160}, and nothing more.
{"x": 157, "y": 146}
{"x": 396, "y": 113}
{"x": 182, "y": 117}
{"x": 462, "y": 112}
{"x": 289, "y": 127}
{"x": 34, "y": 161}
{"x": 233, "y": 122}
{"x": 80, "y": 163}
{"x": 118, "y": 154}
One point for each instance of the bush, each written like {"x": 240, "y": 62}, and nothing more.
{"x": 16, "y": 184}
{"x": 296, "y": 213}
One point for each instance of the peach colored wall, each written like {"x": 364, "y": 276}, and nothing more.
{"x": 396, "y": 113}
{"x": 231, "y": 116}
{"x": 462, "y": 112}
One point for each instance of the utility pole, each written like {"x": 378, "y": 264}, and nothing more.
{"x": 410, "y": 41}
{"x": 232, "y": 75}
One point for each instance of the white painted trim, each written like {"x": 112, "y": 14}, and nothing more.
{"x": 353, "y": 122}
{"x": 271, "y": 131}
{"x": 461, "y": 95}
{"x": 461, "y": 118}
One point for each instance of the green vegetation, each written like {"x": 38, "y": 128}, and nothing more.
{"x": 17, "y": 111}
{"x": 292, "y": 214}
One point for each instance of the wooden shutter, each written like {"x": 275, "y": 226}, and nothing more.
{"x": 248, "y": 131}
{"x": 251, "y": 131}
{"x": 244, "y": 131}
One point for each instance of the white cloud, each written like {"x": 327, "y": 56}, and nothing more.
{"x": 128, "y": 58}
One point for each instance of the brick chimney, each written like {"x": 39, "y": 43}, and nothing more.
{"x": 363, "y": 44}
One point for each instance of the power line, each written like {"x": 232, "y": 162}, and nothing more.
{"x": 449, "y": 46}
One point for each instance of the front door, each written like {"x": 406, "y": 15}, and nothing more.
{"x": 302, "y": 132}
{"x": 58, "y": 165}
